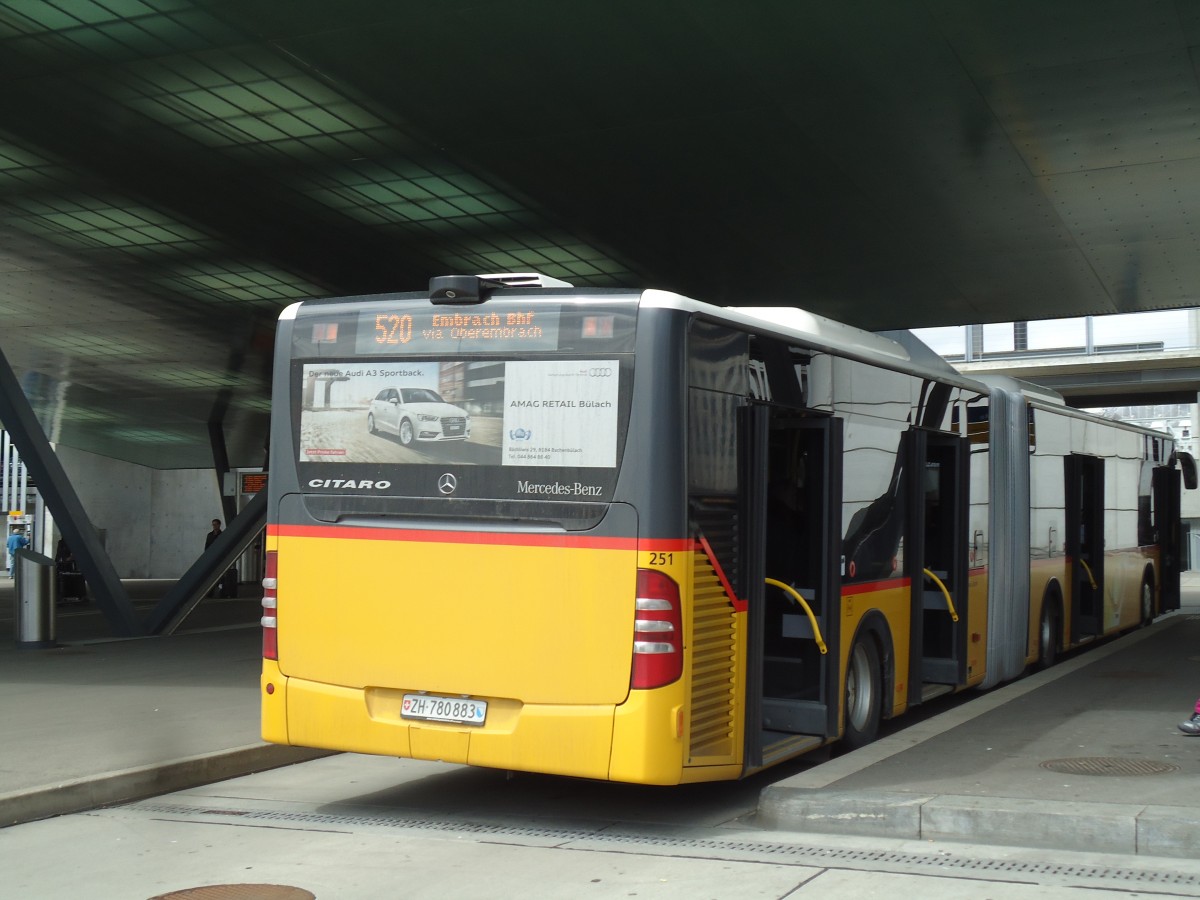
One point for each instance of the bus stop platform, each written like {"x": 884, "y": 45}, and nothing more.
{"x": 1084, "y": 756}
{"x": 97, "y": 720}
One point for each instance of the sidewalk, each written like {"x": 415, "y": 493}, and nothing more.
{"x": 98, "y": 721}
{"x": 1084, "y": 756}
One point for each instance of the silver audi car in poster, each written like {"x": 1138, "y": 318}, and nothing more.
{"x": 417, "y": 414}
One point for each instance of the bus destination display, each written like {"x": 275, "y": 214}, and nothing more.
{"x": 450, "y": 329}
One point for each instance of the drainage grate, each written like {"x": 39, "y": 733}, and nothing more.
{"x": 239, "y": 892}
{"x": 786, "y": 854}
{"x": 1108, "y": 765}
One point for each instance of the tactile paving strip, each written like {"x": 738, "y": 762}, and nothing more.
{"x": 794, "y": 854}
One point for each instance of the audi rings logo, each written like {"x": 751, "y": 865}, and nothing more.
{"x": 599, "y": 372}
{"x": 447, "y": 483}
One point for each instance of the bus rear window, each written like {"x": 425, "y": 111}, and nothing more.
{"x": 544, "y": 412}
{"x": 519, "y": 398}
{"x": 547, "y": 428}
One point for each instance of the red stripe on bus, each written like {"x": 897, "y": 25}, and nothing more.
{"x": 660, "y": 545}
{"x": 739, "y": 605}
{"x": 356, "y": 533}
{"x": 867, "y": 587}
{"x": 665, "y": 545}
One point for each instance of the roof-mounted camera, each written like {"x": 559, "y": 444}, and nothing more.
{"x": 468, "y": 289}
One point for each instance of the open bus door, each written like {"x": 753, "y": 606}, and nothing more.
{"x": 1085, "y": 544}
{"x": 792, "y": 491}
{"x": 936, "y": 558}
{"x": 1166, "y": 484}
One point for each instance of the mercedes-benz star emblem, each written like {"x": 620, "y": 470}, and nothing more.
{"x": 447, "y": 483}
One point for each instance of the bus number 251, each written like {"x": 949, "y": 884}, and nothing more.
{"x": 662, "y": 559}
{"x": 393, "y": 329}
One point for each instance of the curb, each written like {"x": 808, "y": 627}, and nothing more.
{"x": 1078, "y": 826}
{"x": 812, "y": 801}
{"x": 138, "y": 783}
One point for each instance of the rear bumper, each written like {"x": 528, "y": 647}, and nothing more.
{"x": 561, "y": 740}
{"x": 638, "y": 741}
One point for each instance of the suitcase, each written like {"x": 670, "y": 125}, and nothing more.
{"x": 229, "y": 584}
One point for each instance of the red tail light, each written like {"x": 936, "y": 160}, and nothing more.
{"x": 270, "y": 647}
{"x": 657, "y": 631}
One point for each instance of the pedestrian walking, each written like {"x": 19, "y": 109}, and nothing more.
{"x": 1192, "y": 725}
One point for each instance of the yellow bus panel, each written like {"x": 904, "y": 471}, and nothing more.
{"x": 538, "y": 624}
{"x": 274, "y": 703}
{"x": 977, "y": 621}
{"x": 647, "y": 741}
{"x": 567, "y": 740}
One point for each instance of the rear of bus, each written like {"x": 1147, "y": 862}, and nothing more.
{"x": 454, "y": 566}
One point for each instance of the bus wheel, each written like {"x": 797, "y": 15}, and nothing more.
{"x": 406, "y": 432}
{"x": 1147, "y": 602}
{"x": 864, "y": 689}
{"x": 1048, "y": 636}
{"x": 371, "y": 423}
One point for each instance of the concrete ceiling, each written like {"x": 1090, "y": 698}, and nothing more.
{"x": 174, "y": 172}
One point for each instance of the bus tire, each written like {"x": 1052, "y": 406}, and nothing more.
{"x": 371, "y": 424}
{"x": 405, "y": 432}
{"x": 1147, "y": 600}
{"x": 1049, "y": 638}
{"x": 864, "y": 694}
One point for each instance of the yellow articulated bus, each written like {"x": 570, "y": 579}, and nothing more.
{"x": 626, "y": 535}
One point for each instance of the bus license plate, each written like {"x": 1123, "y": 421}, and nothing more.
{"x": 444, "y": 709}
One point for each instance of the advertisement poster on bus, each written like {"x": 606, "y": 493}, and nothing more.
{"x": 560, "y": 413}
{"x": 483, "y": 412}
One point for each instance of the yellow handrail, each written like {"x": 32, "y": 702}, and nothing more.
{"x": 945, "y": 593}
{"x": 1091, "y": 577}
{"x": 807, "y": 611}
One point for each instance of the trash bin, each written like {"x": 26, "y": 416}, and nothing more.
{"x": 33, "y": 599}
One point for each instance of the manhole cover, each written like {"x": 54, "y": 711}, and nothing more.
{"x": 239, "y": 892}
{"x": 1107, "y": 765}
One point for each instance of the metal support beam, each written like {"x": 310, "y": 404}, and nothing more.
{"x": 72, "y": 520}
{"x": 216, "y": 438}
{"x": 1020, "y": 337}
{"x": 206, "y": 571}
{"x": 974, "y": 348}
